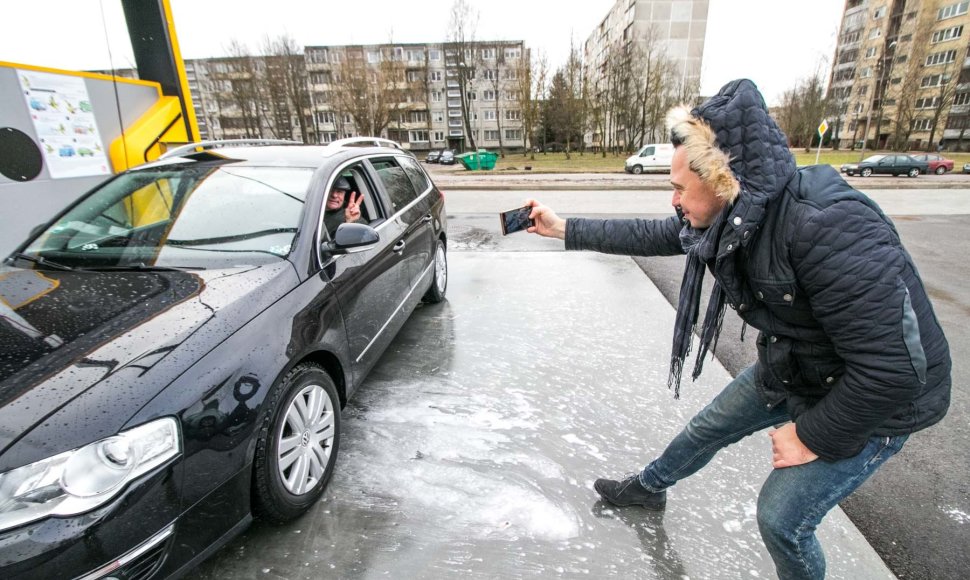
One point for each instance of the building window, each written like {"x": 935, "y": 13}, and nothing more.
{"x": 879, "y": 13}
{"x": 373, "y": 56}
{"x": 434, "y": 54}
{"x": 513, "y": 115}
{"x": 941, "y": 57}
{"x": 511, "y": 53}
{"x": 454, "y": 133}
{"x": 947, "y": 34}
{"x": 922, "y": 124}
{"x": 934, "y": 80}
{"x": 326, "y": 117}
{"x": 866, "y": 73}
{"x": 472, "y": 96}
{"x": 436, "y": 75}
{"x": 512, "y": 95}
{"x": 454, "y": 113}
{"x": 961, "y": 99}
{"x": 436, "y": 96}
{"x": 438, "y": 117}
{"x": 875, "y": 33}
{"x": 416, "y": 55}
{"x": 439, "y": 135}
{"x": 871, "y": 52}
{"x": 454, "y": 103}
{"x": 491, "y": 135}
{"x": 417, "y": 136}
{"x": 927, "y": 102}
{"x": 320, "y": 78}
{"x": 418, "y": 117}
{"x": 488, "y": 95}
{"x": 328, "y": 137}
{"x": 489, "y": 74}
{"x": 490, "y": 115}
{"x": 513, "y": 134}
{"x": 952, "y": 10}
{"x": 413, "y": 76}
{"x": 511, "y": 74}
{"x": 488, "y": 53}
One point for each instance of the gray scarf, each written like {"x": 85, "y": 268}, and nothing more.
{"x": 701, "y": 247}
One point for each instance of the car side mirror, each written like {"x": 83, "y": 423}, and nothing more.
{"x": 350, "y": 238}
{"x": 36, "y": 230}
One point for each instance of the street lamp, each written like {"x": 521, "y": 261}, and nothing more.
{"x": 882, "y": 95}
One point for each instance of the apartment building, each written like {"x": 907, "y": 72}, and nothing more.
{"x": 427, "y": 109}
{"x": 674, "y": 29}
{"x": 901, "y": 75}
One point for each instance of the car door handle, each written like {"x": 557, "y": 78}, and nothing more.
{"x": 398, "y": 247}
{"x": 427, "y": 218}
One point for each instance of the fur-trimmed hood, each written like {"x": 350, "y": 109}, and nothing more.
{"x": 736, "y": 138}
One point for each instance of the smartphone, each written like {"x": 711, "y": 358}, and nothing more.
{"x": 515, "y": 220}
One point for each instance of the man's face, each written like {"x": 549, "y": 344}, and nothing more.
{"x": 336, "y": 199}
{"x": 697, "y": 200}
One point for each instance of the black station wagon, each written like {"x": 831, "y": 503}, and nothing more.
{"x": 176, "y": 348}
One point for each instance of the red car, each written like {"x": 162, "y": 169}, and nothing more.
{"x": 937, "y": 163}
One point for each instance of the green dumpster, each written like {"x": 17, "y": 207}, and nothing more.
{"x": 469, "y": 160}
{"x": 487, "y": 159}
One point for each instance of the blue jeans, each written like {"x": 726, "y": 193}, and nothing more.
{"x": 793, "y": 500}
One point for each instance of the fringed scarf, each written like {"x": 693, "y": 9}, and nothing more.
{"x": 701, "y": 248}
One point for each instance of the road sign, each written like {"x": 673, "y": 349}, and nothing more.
{"x": 822, "y": 128}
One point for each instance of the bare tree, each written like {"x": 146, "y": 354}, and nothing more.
{"x": 531, "y": 84}
{"x": 813, "y": 106}
{"x": 460, "y": 47}
{"x": 244, "y": 94}
{"x": 366, "y": 91}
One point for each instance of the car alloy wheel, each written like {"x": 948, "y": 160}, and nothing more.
{"x": 913, "y": 172}
{"x": 866, "y": 172}
{"x": 941, "y": 170}
{"x": 297, "y": 446}
{"x": 439, "y": 282}
{"x": 637, "y": 170}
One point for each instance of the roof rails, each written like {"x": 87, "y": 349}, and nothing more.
{"x": 365, "y": 142}
{"x": 216, "y": 144}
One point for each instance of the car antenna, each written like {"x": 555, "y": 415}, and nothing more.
{"x": 114, "y": 84}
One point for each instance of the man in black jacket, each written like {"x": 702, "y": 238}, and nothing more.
{"x": 851, "y": 357}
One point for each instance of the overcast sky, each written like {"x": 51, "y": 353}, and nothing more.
{"x": 773, "y": 42}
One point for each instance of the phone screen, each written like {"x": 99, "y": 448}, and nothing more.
{"x": 515, "y": 220}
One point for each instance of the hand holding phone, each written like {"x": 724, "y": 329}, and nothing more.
{"x": 515, "y": 220}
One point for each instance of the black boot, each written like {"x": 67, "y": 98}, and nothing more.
{"x": 630, "y": 492}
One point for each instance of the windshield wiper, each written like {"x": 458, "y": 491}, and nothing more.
{"x": 140, "y": 268}
{"x": 42, "y": 261}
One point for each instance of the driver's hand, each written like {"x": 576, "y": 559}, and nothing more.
{"x": 352, "y": 213}
{"x": 548, "y": 224}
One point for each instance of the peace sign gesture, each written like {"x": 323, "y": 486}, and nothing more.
{"x": 352, "y": 213}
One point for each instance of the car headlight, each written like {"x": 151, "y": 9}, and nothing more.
{"x": 77, "y": 481}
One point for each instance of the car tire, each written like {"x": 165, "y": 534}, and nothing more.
{"x": 304, "y": 418}
{"x": 866, "y": 172}
{"x": 913, "y": 172}
{"x": 439, "y": 275}
{"x": 941, "y": 170}
{"x": 637, "y": 170}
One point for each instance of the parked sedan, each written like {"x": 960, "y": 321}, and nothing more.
{"x": 176, "y": 348}
{"x": 893, "y": 164}
{"x": 935, "y": 163}
{"x": 433, "y": 156}
{"x": 447, "y": 157}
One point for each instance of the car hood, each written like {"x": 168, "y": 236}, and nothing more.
{"x": 62, "y": 333}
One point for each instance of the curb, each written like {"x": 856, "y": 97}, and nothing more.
{"x": 594, "y": 186}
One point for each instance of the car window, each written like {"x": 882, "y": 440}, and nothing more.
{"x": 647, "y": 151}
{"x": 362, "y": 189}
{"x": 396, "y": 182}
{"x": 419, "y": 179}
{"x": 178, "y": 216}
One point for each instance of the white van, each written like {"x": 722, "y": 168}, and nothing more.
{"x": 650, "y": 158}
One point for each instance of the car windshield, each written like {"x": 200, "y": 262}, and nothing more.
{"x": 181, "y": 217}
{"x": 873, "y": 159}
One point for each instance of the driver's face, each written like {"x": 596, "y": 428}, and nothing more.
{"x": 336, "y": 199}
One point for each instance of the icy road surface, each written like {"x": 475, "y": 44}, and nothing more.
{"x": 471, "y": 450}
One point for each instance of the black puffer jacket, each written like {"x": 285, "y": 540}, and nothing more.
{"x": 848, "y": 338}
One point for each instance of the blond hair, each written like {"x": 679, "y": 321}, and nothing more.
{"x": 704, "y": 157}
